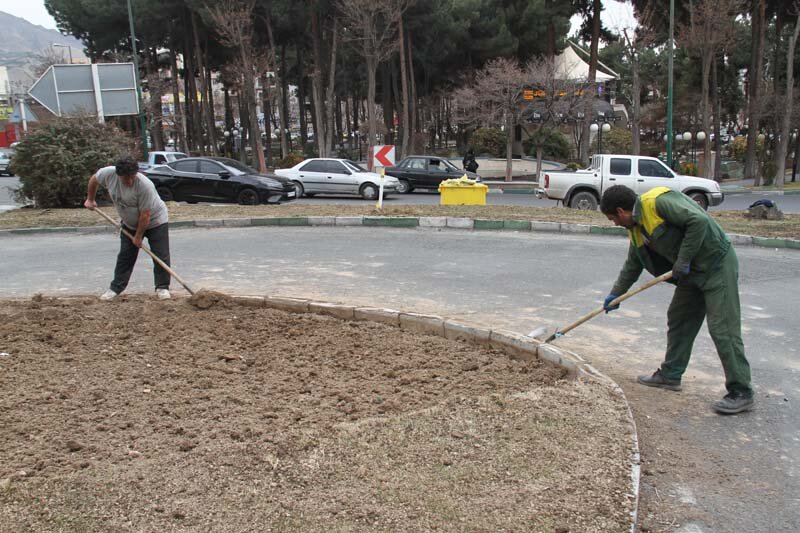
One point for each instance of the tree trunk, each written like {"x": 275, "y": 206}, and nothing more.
{"x": 249, "y": 81}
{"x": 717, "y": 118}
{"x": 229, "y": 123}
{"x": 156, "y": 119}
{"x": 330, "y": 97}
{"x": 509, "y": 146}
{"x": 283, "y": 108}
{"x": 412, "y": 110}
{"x": 372, "y": 68}
{"x": 637, "y": 96}
{"x": 302, "y": 111}
{"x": 589, "y": 110}
{"x": 177, "y": 109}
{"x": 404, "y": 88}
{"x": 194, "y": 125}
{"x": 280, "y": 74}
{"x": 208, "y": 116}
{"x": 754, "y": 77}
{"x": 783, "y": 140}
{"x": 386, "y": 100}
{"x": 316, "y": 83}
{"x": 708, "y": 57}
{"x": 539, "y": 157}
{"x": 266, "y": 106}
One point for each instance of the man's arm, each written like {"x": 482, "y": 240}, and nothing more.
{"x": 630, "y": 272}
{"x": 91, "y": 193}
{"x": 141, "y": 227}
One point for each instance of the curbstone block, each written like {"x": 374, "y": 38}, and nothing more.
{"x": 457, "y": 331}
{"x": 767, "y": 242}
{"x": 394, "y": 222}
{"x": 345, "y": 312}
{"x": 481, "y": 223}
{"x": 268, "y": 221}
{"x": 295, "y": 305}
{"x": 250, "y": 301}
{"x": 418, "y": 323}
{"x": 236, "y": 222}
{"x": 545, "y": 226}
{"x": 554, "y": 356}
{"x": 293, "y": 221}
{"x": 575, "y": 228}
{"x": 378, "y": 314}
{"x": 793, "y": 244}
{"x": 209, "y": 223}
{"x": 741, "y": 240}
{"x": 322, "y": 221}
{"x": 517, "y": 225}
{"x": 608, "y": 230}
{"x": 515, "y": 345}
{"x": 460, "y": 223}
{"x": 349, "y": 221}
{"x": 99, "y": 229}
{"x": 433, "y": 222}
{"x": 182, "y": 224}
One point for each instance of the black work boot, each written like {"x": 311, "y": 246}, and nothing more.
{"x": 734, "y": 402}
{"x": 659, "y": 380}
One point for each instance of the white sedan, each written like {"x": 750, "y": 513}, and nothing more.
{"x": 336, "y": 176}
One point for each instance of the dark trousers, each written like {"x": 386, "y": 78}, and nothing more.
{"x": 158, "y": 239}
{"x": 717, "y": 301}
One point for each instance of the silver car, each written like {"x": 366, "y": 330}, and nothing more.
{"x": 5, "y": 162}
{"x": 336, "y": 176}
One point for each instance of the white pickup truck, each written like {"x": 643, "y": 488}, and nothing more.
{"x": 583, "y": 189}
{"x": 160, "y": 158}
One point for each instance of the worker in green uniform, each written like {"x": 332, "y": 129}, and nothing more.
{"x": 669, "y": 231}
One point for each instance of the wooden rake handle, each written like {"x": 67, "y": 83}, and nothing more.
{"x": 619, "y": 299}
{"x": 146, "y": 249}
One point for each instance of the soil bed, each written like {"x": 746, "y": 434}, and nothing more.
{"x": 139, "y": 415}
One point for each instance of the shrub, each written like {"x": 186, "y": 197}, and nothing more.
{"x": 615, "y": 141}
{"x": 290, "y": 160}
{"x": 738, "y": 148}
{"x": 573, "y": 166}
{"x": 489, "y": 141}
{"x": 555, "y": 145}
{"x": 769, "y": 170}
{"x": 55, "y": 161}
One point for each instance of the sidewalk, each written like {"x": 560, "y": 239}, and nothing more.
{"x": 746, "y": 187}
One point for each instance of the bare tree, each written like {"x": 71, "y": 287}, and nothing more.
{"x": 234, "y": 23}
{"x": 755, "y": 78}
{"x": 372, "y": 26}
{"x": 497, "y": 96}
{"x": 712, "y": 25}
{"x": 783, "y": 139}
{"x": 323, "y": 127}
{"x": 633, "y": 48}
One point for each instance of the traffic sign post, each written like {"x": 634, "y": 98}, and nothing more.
{"x": 382, "y": 171}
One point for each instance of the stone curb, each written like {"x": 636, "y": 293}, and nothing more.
{"x": 411, "y": 222}
{"x": 515, "y": 345}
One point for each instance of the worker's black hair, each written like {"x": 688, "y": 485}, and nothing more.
{"x": 126, "y": 166}
{"x": 617, "y": 196}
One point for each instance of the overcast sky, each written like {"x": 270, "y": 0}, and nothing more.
{"x": 616, "y": 15}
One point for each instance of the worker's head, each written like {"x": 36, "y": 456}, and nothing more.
{"x": 127, "y": 168}
{"x": 617, "y": 205}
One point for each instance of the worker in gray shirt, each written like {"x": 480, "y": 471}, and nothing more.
{"x": 143, "y": 214}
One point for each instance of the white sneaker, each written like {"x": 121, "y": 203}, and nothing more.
{"x": 108, "y": 295}
{"x": 163, "y": 294}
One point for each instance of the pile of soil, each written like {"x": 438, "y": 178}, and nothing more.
{"x": 141, "y": 415}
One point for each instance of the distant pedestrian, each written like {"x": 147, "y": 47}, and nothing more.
{"x": 143, "y": 214}
{"x": 669, "y": 231}
{"x": 469, "y": 162}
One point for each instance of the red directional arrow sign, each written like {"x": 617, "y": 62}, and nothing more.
{"x": 384, "y": 156}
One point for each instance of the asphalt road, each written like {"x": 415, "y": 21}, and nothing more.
{"x": 787, "y": 203}
{"x": 714, "y": 474}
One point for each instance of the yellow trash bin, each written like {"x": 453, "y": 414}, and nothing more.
{"x": 462, "y": 191}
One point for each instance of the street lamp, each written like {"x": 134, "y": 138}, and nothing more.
{"x": 701, "y": 137}
{"x": 687, "y": 136}
{"x": 599, "y": 130}
{"x": 68, "y": 47}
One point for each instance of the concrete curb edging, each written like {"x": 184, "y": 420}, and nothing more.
{"x": 515, "y": 345}
{"x": 476, "y": 224}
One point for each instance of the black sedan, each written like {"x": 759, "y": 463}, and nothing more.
{"x": 425, "y": 172}
{"x": 218, "y": 179}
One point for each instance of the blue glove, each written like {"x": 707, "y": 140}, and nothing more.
{"x": 610, "y": 298}
{"x": 680, "y": 271}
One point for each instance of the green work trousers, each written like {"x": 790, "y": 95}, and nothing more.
{"x": 718, "y": 301}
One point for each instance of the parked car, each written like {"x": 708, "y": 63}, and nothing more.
{"x": 160, "y": 158}
{"x": 218, "y": 179}
{"x": 336, "y": 176}
{"x": 583, "y": 189}
{"x": 5, "y": 164}
{"x": 425, "y": 172}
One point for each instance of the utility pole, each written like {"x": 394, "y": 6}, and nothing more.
{"x": 669, "y": 82}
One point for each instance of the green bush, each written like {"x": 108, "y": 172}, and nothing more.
{"x": 54, "y": 161}
{"x": 554, "y": 144}
{"x": 572, "y": 165}
{"x": 769, "y": 170}
{"x": 688, "y": 169}
{"x": 489, "y": 141}
{"x": 615, "y": 141}
{"x": 738, "y": 148}
{"x": 290, "y": 160}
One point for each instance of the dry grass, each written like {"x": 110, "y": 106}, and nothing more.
{"x": 731, "y": 221}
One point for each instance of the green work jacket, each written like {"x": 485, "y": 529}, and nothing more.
{"x": 671, "y": 229}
